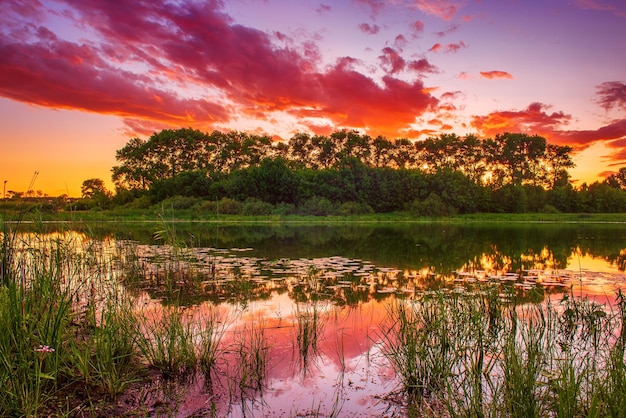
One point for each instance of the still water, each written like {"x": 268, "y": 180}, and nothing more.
{"x": 314, "y": 297}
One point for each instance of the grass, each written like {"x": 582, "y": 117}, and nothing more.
{"x": 166, "y": 341}
{"x": 540, "y": 360}
{"x": 156, "y": 216}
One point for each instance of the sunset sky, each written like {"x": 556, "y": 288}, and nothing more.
{"x": 78, "y": 79}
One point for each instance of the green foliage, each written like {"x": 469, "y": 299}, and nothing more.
{"x": 228, "y": 206}
{"x": 512, "y": 173}
{"x": 432, "y": 206}
{"x": 316, "y": 206}
{"x": 256, "y": 207}
{"x": 354, "y": 208}
{"x": 178, "y": 203}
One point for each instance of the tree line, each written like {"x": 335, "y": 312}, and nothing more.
{"x": 509, "y": 158}
{"x": 348, "y": 172}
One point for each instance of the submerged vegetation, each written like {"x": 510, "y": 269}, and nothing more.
{"x": 87, "y": 323}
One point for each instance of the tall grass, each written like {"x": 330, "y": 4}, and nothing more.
{"x": 309, "y": 328}
{"x": 36, "y": 309}
{"x": 165, "y": 340}
{"x": 455, "y": 356}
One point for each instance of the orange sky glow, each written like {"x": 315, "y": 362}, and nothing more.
{"x": 79, "y": 79}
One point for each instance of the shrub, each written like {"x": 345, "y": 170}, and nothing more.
{"x": 550, "y": 209}
{"x": 256, "y": 207}
{"x": 284, "y": 209}
{"x": 178, "y": 202}
{"x": 206, "y": 207}
{"x": 431, "y": 206}
{"x": 317, "y": 206}
{"x": 354, "y": 208}
{"x": 142, "y": 202}
{"x": 228, "y": 206}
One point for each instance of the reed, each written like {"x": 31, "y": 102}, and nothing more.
{"x": 35, "y": 313}
{"x": 252, "y": 354}
{"x": 210, "y": 330}
{"x": 166, "y": 341}
{"x": 468, "y": 355}
{"x": 309, "y": 328}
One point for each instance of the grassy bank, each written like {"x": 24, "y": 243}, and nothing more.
{"x": 149, "y": 215}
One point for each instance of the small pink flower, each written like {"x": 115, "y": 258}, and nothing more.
{"x": 44, "y": 349}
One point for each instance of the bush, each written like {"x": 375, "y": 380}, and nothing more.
{"x": 256, "y": 207}
{"x": 178, "y": 202}
{"x": 206, "y": 207}
{"x": 228, "y": 206}
{"x": 317, "y": 206}
{"x": 142, "y": 202}
{"x": 432, "y": 206}
{"x": 354, "y": 208}
{"x": 549, "y": 209}
{"x": 284, "y": 209}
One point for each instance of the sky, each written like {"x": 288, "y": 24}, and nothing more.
{"x": 78, "y": 79}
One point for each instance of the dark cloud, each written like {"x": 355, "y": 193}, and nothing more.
{"x": 422, "y": 66}
{"x": 369, "y": 29}
{"x": 391, "y": 61}
{"x": 323, "y": 8}
{"x": 612, "y": 94}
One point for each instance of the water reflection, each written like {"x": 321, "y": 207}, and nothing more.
{"x": 301, "y": 307}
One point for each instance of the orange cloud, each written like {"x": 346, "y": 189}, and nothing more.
{"x": 495, "y": 74}
{"x": 534, "y": 119}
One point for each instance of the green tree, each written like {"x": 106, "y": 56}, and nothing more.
{"x": 92, "y": 188}
{"x": 617, "y": 180}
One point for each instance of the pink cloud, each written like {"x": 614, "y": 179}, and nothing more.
{"x": 444, "y": 9}
{"x": 375, "y": 5}
{"x": 422, "y": 66}
{"x": 450, "y": 29}
{"x": 77, "y": 78}
{"x": 399, "y": 41}
{"x": 495, "y": 74}
{"x": 369, "y": 29}
{"x": 435, "y": 48}
{"x": 612, "y": 95}
{"x": 417, "y": 27}
{"x": 601, "y": 6}
{"x": 449, "y": 47}
{"x": 391, "y": 61}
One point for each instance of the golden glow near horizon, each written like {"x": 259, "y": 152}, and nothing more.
{"x": 77, "y": 81}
